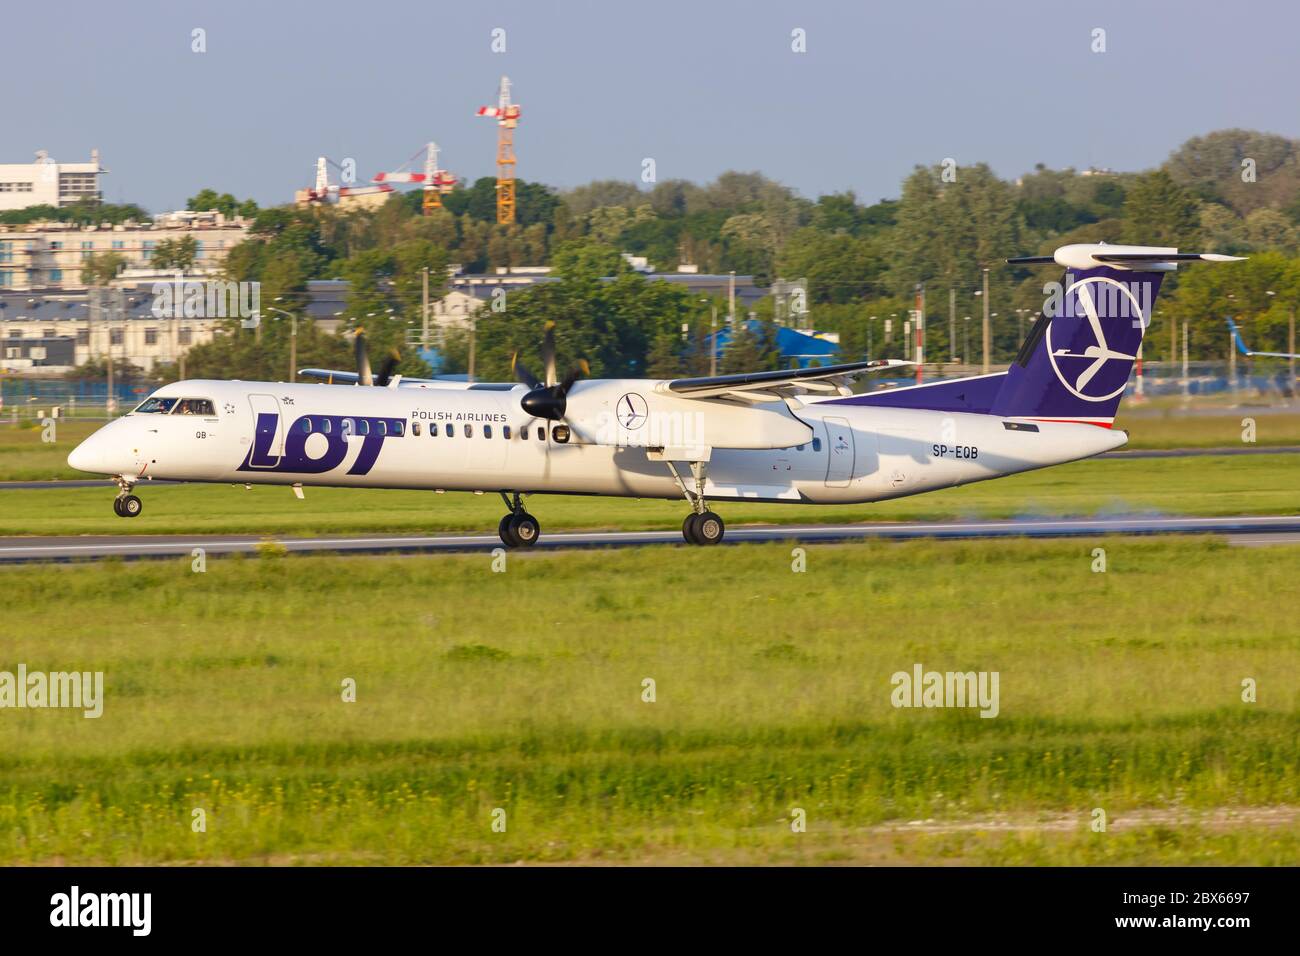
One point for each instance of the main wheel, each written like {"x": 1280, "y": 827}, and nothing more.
{"x": 524, "y": 529}
{"x": 709, "y": 528}
{"x": 131, "y": 506}
{"x": 117, "y": 507}
{"x": 507, "y": 536}
{"x": 688, "y": 528}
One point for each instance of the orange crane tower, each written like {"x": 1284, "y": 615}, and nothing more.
{"x": 507, "y": 116}
{"x": 437, "y": 181}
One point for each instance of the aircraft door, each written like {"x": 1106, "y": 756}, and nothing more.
{"x": 268, "y": 432}
{"x": 839, "y": 440}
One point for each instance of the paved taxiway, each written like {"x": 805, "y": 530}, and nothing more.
{"x": 1254, "y": 530}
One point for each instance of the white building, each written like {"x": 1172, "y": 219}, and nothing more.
{"x": 51, "y": 333}
{"x": 49, "y": 183}
{"x": 42, "y": 256}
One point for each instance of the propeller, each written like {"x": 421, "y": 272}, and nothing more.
{"x": 364, "y": 375}
{"x": 363, "y": 359}
{"x": 547, "y": 399}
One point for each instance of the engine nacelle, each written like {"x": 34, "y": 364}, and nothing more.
{"x": 631, "y": 413}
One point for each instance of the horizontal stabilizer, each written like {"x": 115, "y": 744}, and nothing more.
{"x": 1089, "y": 255}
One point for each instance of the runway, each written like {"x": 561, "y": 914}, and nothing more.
{"x": 1256, "y": 530}
{"x": 1232, "y": 450}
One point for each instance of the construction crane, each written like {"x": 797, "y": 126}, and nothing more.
{"x": 437, "y": 182}
{"x": 507, "y": 116}
{"x": 326, "y": 192}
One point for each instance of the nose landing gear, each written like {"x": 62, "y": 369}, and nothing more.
{"x": 518, "y": 529}
{"x": 126, "y": 505}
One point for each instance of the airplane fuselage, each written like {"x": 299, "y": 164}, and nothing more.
{"x": 479, "y": 439}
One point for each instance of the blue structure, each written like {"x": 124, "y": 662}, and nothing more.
{"x": 797, "y": 349}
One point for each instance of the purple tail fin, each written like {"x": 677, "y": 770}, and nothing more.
{"x": 1077, "y": 359}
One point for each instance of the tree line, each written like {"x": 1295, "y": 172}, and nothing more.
{"x": 862, "y": 262}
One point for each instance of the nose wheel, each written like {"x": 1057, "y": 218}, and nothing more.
{"x": 127, "y": 506}
{"x": 518, "y": 529}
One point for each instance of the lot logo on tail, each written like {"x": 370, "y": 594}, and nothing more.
{"x": 1081, "y": 365}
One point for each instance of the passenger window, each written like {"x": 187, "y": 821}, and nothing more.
{"x": 469, "y": 430}
{"x": 433, "y": 429}
{"x": 505, "y": 432}
{"x": 349, "y": 428}
{"x": 817, "y": 444}
{"x": 541, "y": 434}
{"x": 381, "y": 428}
{"x": 304, "y": 425}
{"x": 363, "y": 427}
{"x": 326, "y": 425}
{"x": 450, "y": 431}
{"x": 399, "y": 428}
{"x": 523, "y": 433}
{"x": 415, "y": 429}
{"x": 487, "y": 431}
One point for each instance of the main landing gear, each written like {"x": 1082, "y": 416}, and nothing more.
{"x": 701, "y": 526}
{"x": 126, "y": 505}
{"x": 518, "y": 529}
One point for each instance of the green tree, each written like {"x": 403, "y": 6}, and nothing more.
{"x": 175, "y": 254}
{"x": 751, "y": 348}
{"x": 1159, "y": 212}
{"x": 224, "y": 203}
{"x": 100, "y": 268}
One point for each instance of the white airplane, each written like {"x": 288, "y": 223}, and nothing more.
{"x": 784, "y": 436}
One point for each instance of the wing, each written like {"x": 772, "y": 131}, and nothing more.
{"x": 330, "y": 375}
{"x": 333, "y": 376}
{"x": 772, "y": 386}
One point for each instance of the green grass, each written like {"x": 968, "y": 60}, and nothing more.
{"x": 1172, "y": 429}
{"x": 1211, "y": 485}
{"x": 522, "y": 690}
{"x": 24, "y": 456}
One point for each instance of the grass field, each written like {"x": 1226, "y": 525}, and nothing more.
{"x": 523, "y": 691}
{"x": 1212, "y": 485}
{"x": 24, "y": 456}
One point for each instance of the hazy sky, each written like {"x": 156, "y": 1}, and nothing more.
{"x": 700, "y": 87}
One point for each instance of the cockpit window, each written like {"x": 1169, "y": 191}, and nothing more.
{"x": 195, "y": 406}
{"x": 155, "y": 406}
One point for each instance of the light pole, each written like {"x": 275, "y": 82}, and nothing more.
{"x": 1290, "y": 346}
{"x": 965, "y": 341}
{"x": 1270, "y": 293}
{"x": 952, "y": 324}
{"x": 424, "y": 311}
{"x": 870, "y": 322}
{"x": 1232, "y": 355}
{"x": 984, "y": 294}
{"x": 473, "y": 345}
{"x": 713, "y": 338}
{"x": 293, "y": 338}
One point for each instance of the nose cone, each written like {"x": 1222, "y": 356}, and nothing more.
{"x": 89, "y": 456}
